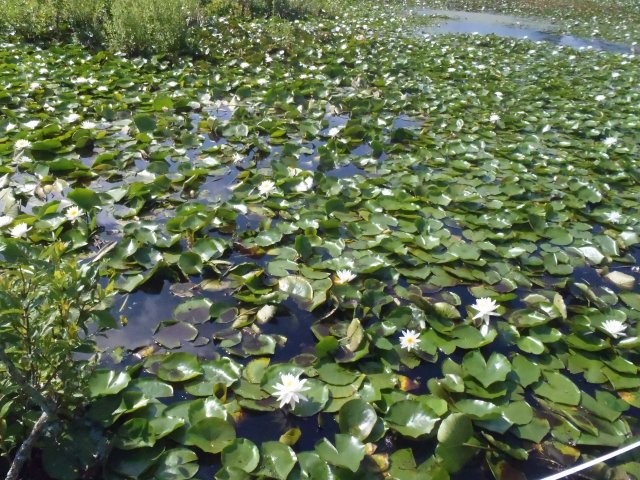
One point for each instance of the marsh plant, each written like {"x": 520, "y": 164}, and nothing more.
{"x": 47, "y": 302}
{"x": 147, "y": 26}
{"x": 140, "y": 27}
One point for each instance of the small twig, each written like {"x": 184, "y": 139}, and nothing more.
{"x": 24, "y": 452}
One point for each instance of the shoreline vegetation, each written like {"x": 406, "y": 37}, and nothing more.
{"x": 380, "y": 254}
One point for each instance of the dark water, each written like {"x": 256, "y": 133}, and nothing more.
{"x": 453, "y": 22}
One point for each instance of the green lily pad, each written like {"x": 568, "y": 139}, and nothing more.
{"x": 210, "y": 435}
{"x": 347, "y": 452}
{"x": 277, "y": 460}
{"x": 357, "y": 418}
{"x": 179, "y": 367}
{"x": 411, "y": 418}
{"x": 108, "y": 382}
{"x": 242, "y": 454}
{"x": 558, "y": 388}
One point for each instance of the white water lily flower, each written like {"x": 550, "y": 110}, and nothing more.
{"x": 20, "y": 230}
{"x": 73, "y": 213}
{"x": 289, "y": 390}
{"x": 610, "y": 141}
{"x": 22, "y": 144}
{"x": 615, "y": 328}
{"x": 305, "y": 185}
{"x": 494, "y": 117}
{"x": 266, "y": 187}
{"x": 613, "y": 217}
{"x": 600, "y": 98}
{"x": 485, "y": 308}
{"x": 32, "y": 124}
{"x": 344, "y": 276}
{"x": 88, "y": 125}
{"x": 72, "y": 117}
{"x": 409, "y": 339}
{"x": 5, "y": 220}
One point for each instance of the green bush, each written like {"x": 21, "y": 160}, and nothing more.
{"x": 87, "y": 19}
{"x": 151, "y": 26}
{"x": 224, "y": 8}
{"x": 47, "y": 303}
{"x": 32, "y": 19}
{"x": 288, "y": 9}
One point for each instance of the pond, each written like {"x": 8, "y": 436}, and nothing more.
{"x": 312, "y": 211}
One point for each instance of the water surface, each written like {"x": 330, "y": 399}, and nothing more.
{"x": 458, "y": 22}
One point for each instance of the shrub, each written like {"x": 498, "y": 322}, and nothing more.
{"x": 151, "y": 26}
{"x": 47, "y": 301}
{"x": 289, "y": 9}
{"x": 87, "y": 19}
{"x": 32, "y": 19}
{"x": 224, "y": 8}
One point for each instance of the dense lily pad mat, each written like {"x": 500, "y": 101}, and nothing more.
{"x": 312, "y": 204}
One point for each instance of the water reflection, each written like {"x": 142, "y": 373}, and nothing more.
{"x": 454, "y": 22}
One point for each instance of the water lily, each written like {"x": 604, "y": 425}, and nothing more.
{"x": 600, "y": 98}
{"x": 20, "y": 230}
{"x": 21, "y": 144}
{"x": 344, "y": 276}
{"x": 494, "y": 117}
{"x": 610, "y": 141}
{"x": 613, "y": 217}
{"x": 266, "y": 187}
{"x": 305, "y": 185}
{"x": 289, "y": 390}
{"x": 72, "y": 117}
{"x": 409, "y": 339}
{"x": 73, "y": 213}
{"x": 615, "y": 328}
{"x": 5, "y": 220}
{"x": 88, "y": 125}
{"x": 485, "y": 308}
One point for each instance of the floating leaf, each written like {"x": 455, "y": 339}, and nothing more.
{"x": 558, "y": 388}
{"x": 357, "y": 418}
{"x": 348, "y": 451}
{"x": 242, "y": 454}
{"x": 210, "y": 435}
{"x": 411, "y": 418}
{"x": 178, "y": 367}
{"x": 107, "y": 382}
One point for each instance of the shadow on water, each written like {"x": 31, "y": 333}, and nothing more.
{"x": 455, "y": 22}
